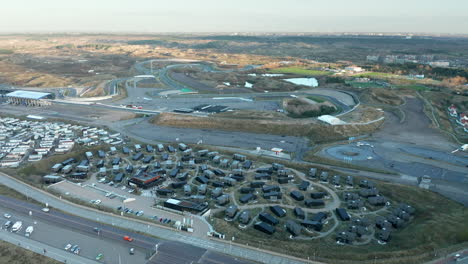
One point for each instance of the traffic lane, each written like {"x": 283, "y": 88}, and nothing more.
{"x": 77, "y": 223}
{"x": 38, "y": 247}
{"x": 170, "y": 251}
{"x": 91, "y": 245}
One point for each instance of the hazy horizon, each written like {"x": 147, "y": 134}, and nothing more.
{"x": 203, "y": 16}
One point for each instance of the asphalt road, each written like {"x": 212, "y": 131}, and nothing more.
{"x": 213, "y": 246}
{"x": 38, "y": 247}
{"x": 57, "y": 230}
{"x": 142, "y": 129}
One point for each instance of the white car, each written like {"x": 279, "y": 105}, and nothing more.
{"x": 67, "y": 247}
{"x": 29, "y": 231}
{"x": 7, "y": 216}
{"x": 108, "y": 194}
{"x": 45, "y": 209}
{"x": 97, "y": 202}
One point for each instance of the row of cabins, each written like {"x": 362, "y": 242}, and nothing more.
{"x": 21, "y": 139}
{"x": 335, "y": 180}
{"x": 397, "y": 218}
{"x": 267, "y": 222}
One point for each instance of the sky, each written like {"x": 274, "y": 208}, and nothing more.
{"x": 418, "y": 16}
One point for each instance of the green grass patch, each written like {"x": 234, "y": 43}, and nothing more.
{"x": 365, "y": 85}
{"x": 416, "y": 87}
{"x": 299, "y": 71}
{"x": 376, "y": 75}
{"x": 315, "y": 99}
{"x": 6, "y": 51}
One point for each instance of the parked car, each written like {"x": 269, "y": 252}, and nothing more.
{"x": 77, "y": 250}
{"x": 17, "y": 226}
{"x": 127, "y": 238}
{"x": 29, "y": 231}
{"x": 67, "y": 247}
{"x": 74, "y": 248}
{"x": 8, "y": 224}
{"x": 7, "y": 216}
{"x": 99, "y": 256}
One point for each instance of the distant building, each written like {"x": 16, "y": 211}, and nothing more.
{"x": 439, "y": 63}
{"x": 29, "y": 98}
{"x": 354, "y": 69}
{"x": 373, "y": 58}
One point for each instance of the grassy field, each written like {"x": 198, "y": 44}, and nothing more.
{"x": 365, "y": 85}
{"x": 315, "y": 99}
{"x": 299, "y": 71}
{"x": 381, "y": 97}
{"x": 4, "y": 190}
{"x": 13, "y": 254}
{"x": 312, "y": 129}
{"x": 417, "y": 87}
{"x": 376, "y": 75}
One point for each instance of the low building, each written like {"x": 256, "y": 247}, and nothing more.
{"x": 247, "y": 198}
{"x": 314, "y": 202}
{"x": 299, "y": 213}
{"x": 231, "y": 211}
{"x": 346, "y": 237}
{"x": 278, "y": 211}
{"x": 223, "y": 199}
{"x": 384, "y": 235}
{"x": 318, "y": 195}
{"x": 297, "y": 195}
{"x": 342, "y": 214}
{"x": 293, "y": 228}
{"x": 319, "y": 217}
{"x": 268, "y": 218}
{"x": 377, "y": 200}
{"x": 317, "y": 226}
{"x": 146, "y": 180}
{"x": 182, "y": 205}
{"x": 304, "y": 185}
{"x": 265, "y": 228}
{"x": 244, "y": 217}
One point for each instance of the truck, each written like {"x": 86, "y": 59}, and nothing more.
{"x": 28, "y": 231}
{"x": 17, "y": 226}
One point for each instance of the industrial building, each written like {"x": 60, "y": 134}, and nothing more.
{"x": 29, "y": 98}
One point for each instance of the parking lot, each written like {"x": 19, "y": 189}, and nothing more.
{"x": 87, "y": 193}
{"x": 91, "y": 244}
